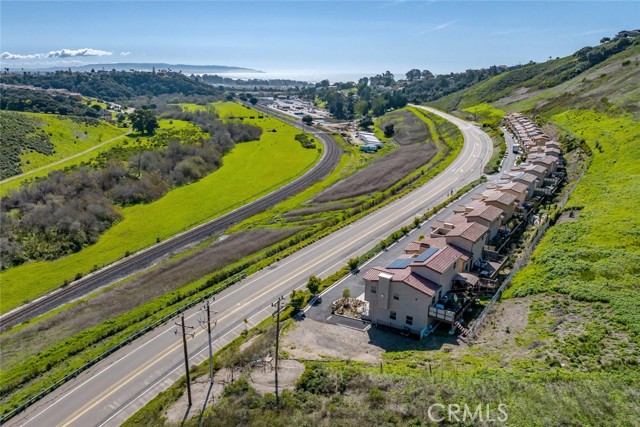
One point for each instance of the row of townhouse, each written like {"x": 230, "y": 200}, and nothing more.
{"x": 429, "y": 283}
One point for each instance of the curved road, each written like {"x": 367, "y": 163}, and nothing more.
{"x": 113, "y": 390}
{"x": 144, "y": 259}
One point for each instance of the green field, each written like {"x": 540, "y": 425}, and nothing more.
{"x": 250, "y": 170}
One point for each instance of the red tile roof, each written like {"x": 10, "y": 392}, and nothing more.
{"x": 471, "y": 231}
{"x": 487, "y": 212}
{"x": 527, "y": 177}
{"x": 441, "y": 261}
{"x": 416, "y": 245}
{"x": 500, "y": 197}
{"x": 405, "y": 276}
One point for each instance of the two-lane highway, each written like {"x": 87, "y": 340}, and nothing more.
{"x": 113, "y": 390}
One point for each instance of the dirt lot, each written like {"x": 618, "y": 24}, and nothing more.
{"x": 120, "y": 299}
{"x": 260, "y": 378}
{"x": 381, "y": 174}
{"x": 408, "y": 128}
{"x": 312, "y": 340}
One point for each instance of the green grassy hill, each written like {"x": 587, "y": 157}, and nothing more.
{"x": 33, "y": 140}
{"x": 558, "y": 84}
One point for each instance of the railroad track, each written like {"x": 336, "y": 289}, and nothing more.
{"x": 146, "y": 258}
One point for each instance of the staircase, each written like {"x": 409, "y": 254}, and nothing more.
{"x": 457, "y": 325}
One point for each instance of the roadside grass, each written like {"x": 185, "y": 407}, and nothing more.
{"x": 18, "y": 345}
{"x": 490, "y": 117}
{"x": 592, "y": 262}
{"x": 250, "y": 170}
{"x": 381, "y": 174}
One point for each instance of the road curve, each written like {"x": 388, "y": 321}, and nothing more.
{"x": 145, "y": 258}
{"x": 113, "y": 390}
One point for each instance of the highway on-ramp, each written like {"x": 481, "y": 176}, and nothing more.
{"x": 113, "y": 390}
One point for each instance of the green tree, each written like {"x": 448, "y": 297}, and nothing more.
{"x": 313, "y": 284}
{"x": 353, "y": 263}
{"x": 346, "y": 293}
{"x": 414, "y": 74}
{"x": 144, "y": 121}
{"x": 365, "y": 123}
{"x": 307, "y": 120}
{"x": 389, "y": 130}
{"x": 253, "y": 100}
{"x": 297, "y": 300}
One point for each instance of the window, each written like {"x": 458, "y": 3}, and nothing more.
{"x": 373, "y": 289}
{"x": 409, "y": 320}
{"x": 392, "y": 315}
{"x": 396, "y": 296}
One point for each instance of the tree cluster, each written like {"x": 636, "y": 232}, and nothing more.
{"x": 41, "y": 101}
{"x": 114, "y": 85}
{"x": 372, "y": 96}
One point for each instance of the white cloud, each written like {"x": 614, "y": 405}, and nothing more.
{"x": 124, "y": 53}
{"x": 439, "y": 27}
{"x": 593, "y": 32}
{"x": 447, "y": 24}
{"x": 62, "y": 53}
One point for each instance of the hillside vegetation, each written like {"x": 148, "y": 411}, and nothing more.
{"x": 114, "y": 85}
{"x": 267, "y": 163}
{"x": 610, "y": 70}
{"x": 32, "y": 140}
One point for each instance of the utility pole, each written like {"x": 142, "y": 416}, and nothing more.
{"x": 186, "y": 354}
{"x": 207, "y": 307}
{"x": 277, "y": 315}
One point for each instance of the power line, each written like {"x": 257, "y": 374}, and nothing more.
{"x": 277, "y": 316}
{"x": 186, "y": 353}
{"x": 209, "y": 327}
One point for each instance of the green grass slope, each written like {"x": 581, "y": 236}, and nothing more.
{"x": 559, "y": 83}
{"x": 249, "y": 171}
{"x": 67, "y": 136}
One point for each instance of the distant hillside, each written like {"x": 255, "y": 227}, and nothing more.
{"x": 606, "y": 74}
{"x": 114, "y": 85}
{"x": 157, "y": 66}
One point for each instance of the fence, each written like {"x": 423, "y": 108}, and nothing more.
{"x": 473, "y": 329}
{"x": 234, "y": 279}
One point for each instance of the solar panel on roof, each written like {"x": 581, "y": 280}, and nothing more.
{"x": 400, "y": 264}
{"x": 426, "y": 255}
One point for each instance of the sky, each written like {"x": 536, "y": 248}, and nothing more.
{"x": 316, "y": 37}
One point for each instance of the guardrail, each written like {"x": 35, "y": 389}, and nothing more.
{"x": 442, "y": 314}
{"x": 230, "y": 281}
